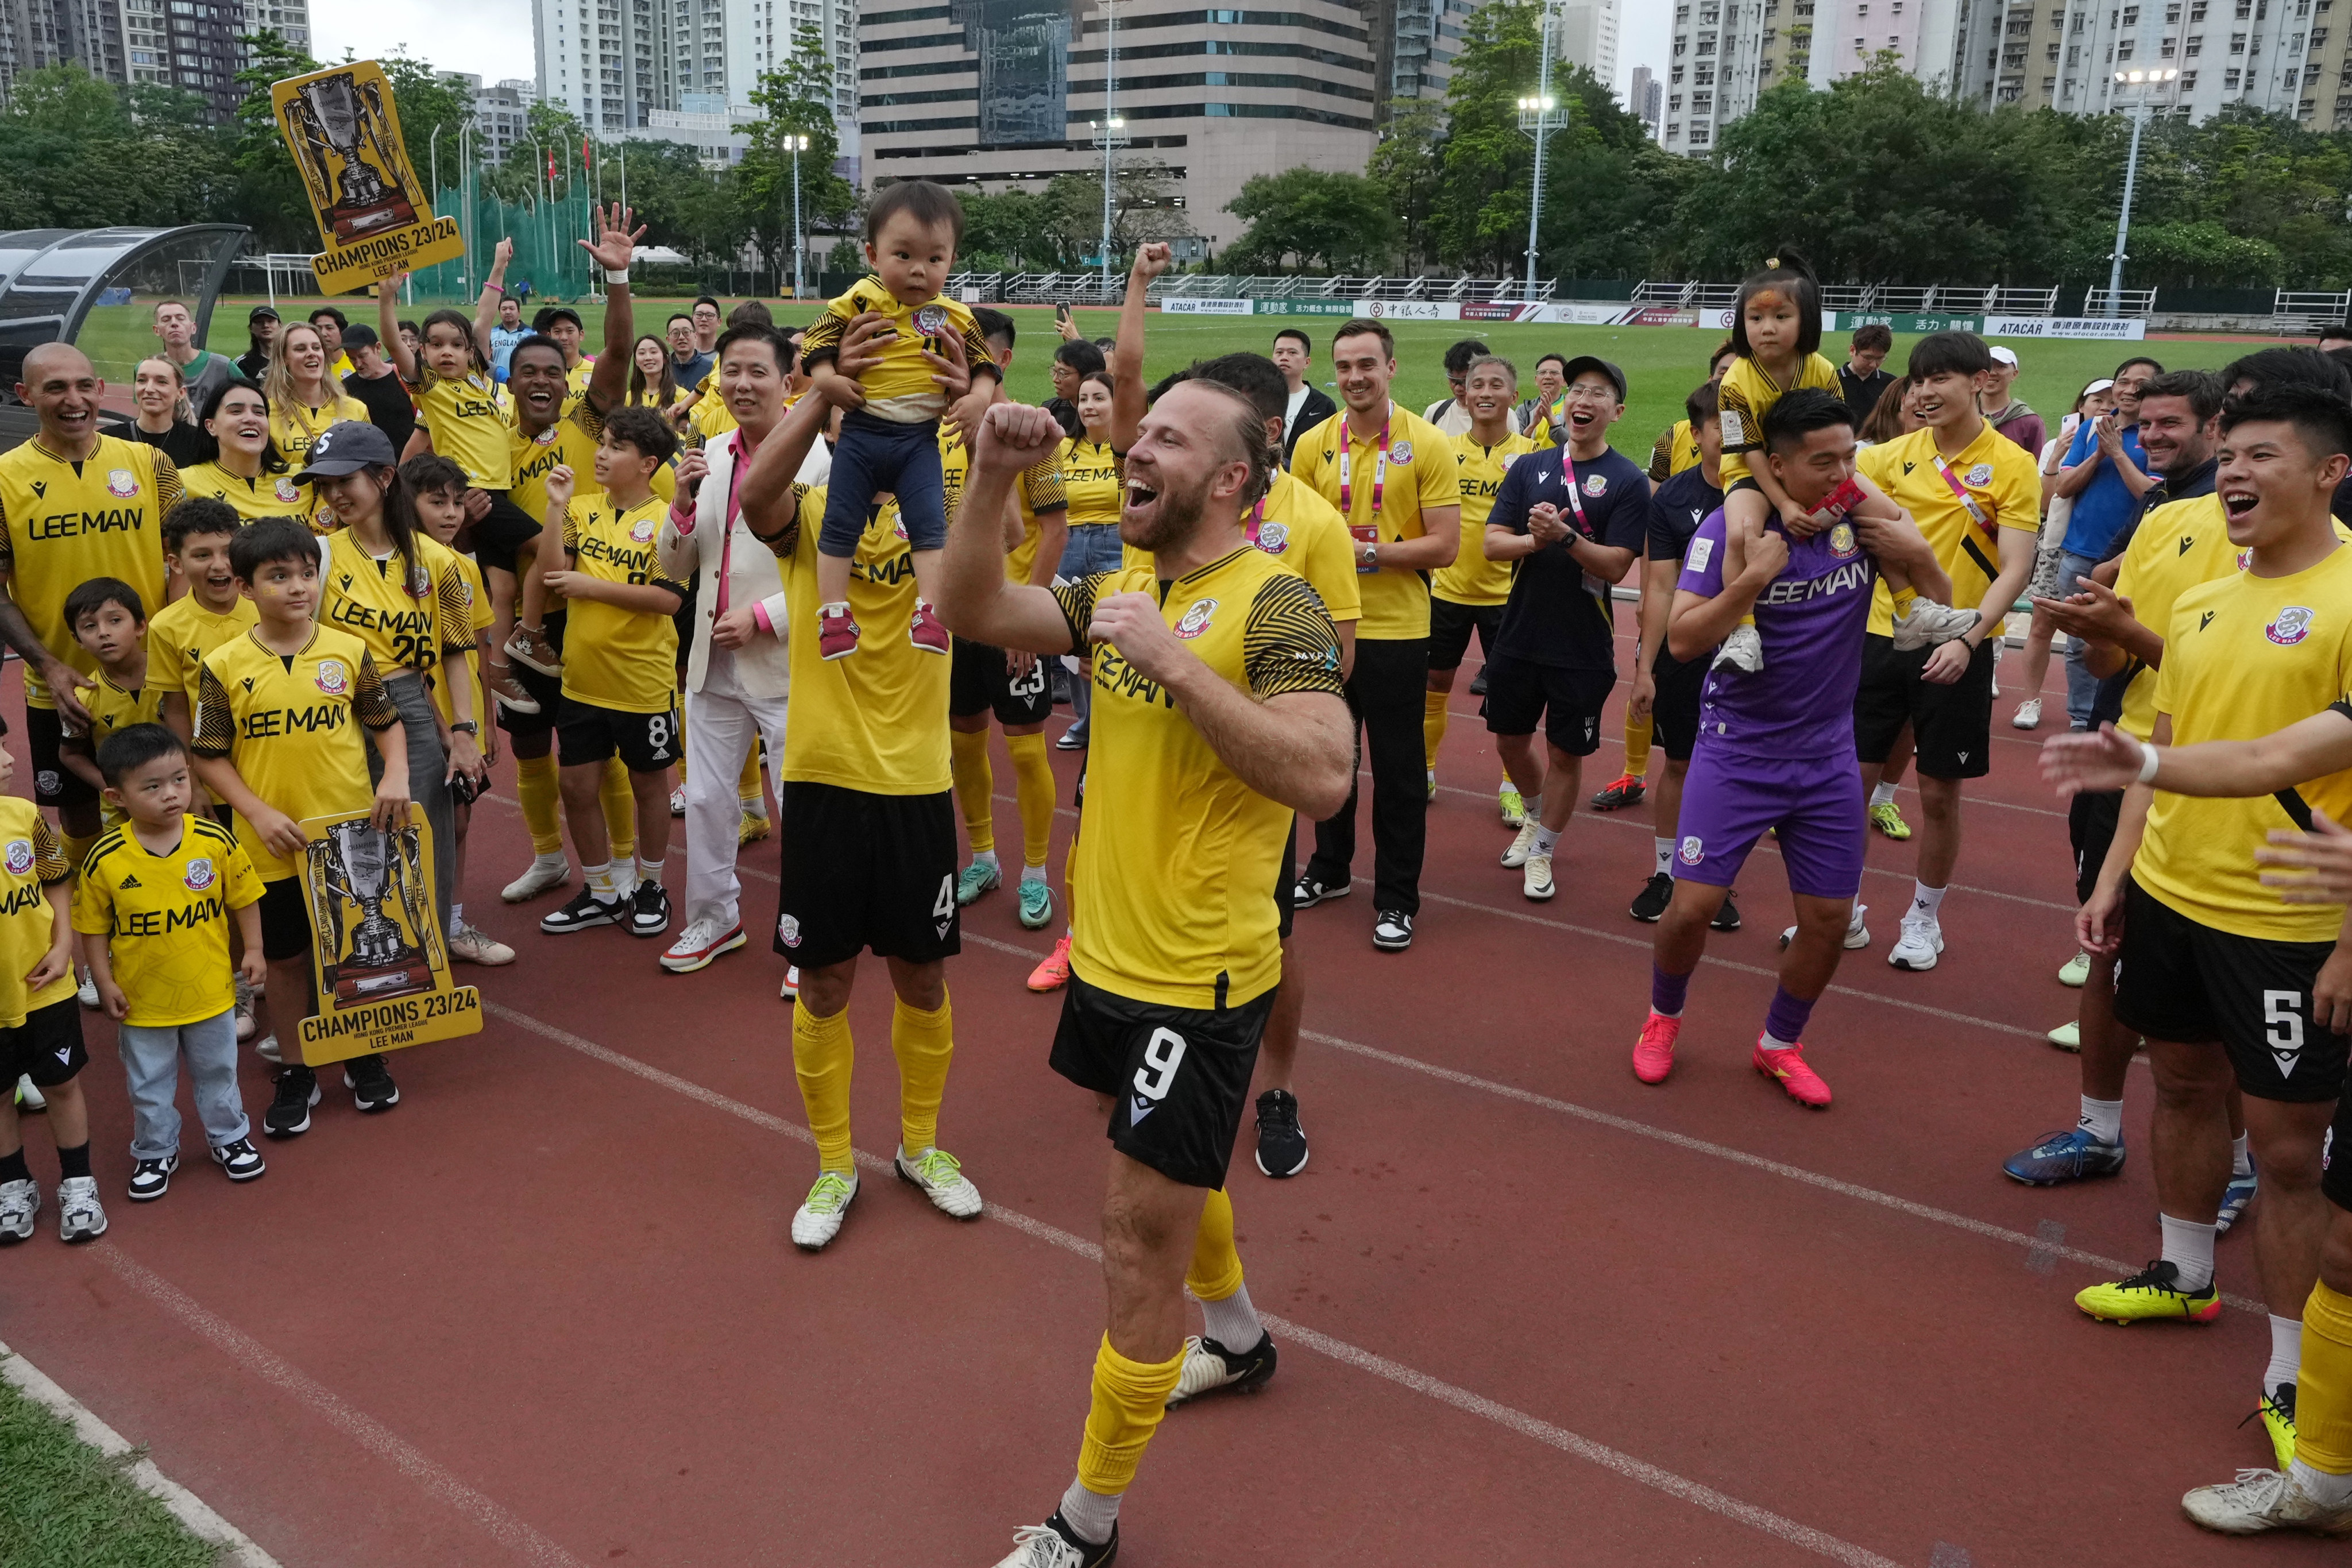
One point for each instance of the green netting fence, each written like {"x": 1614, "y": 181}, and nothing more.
{"x": 548, "y": 261}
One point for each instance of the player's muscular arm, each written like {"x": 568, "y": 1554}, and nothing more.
{"x": 485, "y": 309}
{"x": 1658, "y": 578}
{"x": 2310, "y": 749}
{"x": 975, "y": 600}
{"x": 1126, "y": 401}
{"x": 1698, "y": 621}
{"x": 615, "y": 244}
{"x": 770, "y": 508}
{"x": 2098, "y": 614}
{"x": 1896, "y": 541}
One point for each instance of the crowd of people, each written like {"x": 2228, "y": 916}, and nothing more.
{"x": 343, "y": 572}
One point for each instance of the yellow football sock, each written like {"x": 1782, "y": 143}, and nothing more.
{"x": 1216, "y": 1270}
{"x": 2322, "y": 1392}
{"x": 1433, "y": 726}
{"x": 974, "y": 782}
{"x": 747, "y": 785}
{"x": 535, "y": 784}
{"x": 1032, "y": 776}
{"x": 620, "y": 804}
{"x": 1905, "y": 597}
{"x": 77, "y": 848}
{"x": 1129, "y": 1398}
{"x": 823, "y": 1055}
{"x": 1637, "y": 746}
{"x": 924, "y": 1043}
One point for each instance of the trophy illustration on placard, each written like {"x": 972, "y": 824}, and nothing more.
{"x": 343, "y": 134}
{"x": 357, "y": 869}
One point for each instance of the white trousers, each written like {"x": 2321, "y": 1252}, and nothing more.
{"x": 722, "y": 722}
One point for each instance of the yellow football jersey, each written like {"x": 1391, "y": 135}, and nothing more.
{"x": 113, "y": 707}
{"x": 1676, "y": 449}
{"x": 570, "y": 442}
{"x": 293, "y": 428}
{"x": 31, "y": 862}
{"x": 164, "y": 919}
{"x": 1473, "y": 579}
{"x": 479, "y": 618}
{"x": 290, "y": 725}
{"x": 877, "y": 721}
{"x": 63, "y": 523}
{"x": 463, "y": 418}
{"x": 2002, "y": 484}
{"x": 409, "y": 616}
{"x": 899, "y": 388}
{"x": 180, "y": 634}
{"x": 1179, "y": 861}
{"x": 1042, "y": 493}
{"x": 613, "y": 657}
{"x": 1347, "y": 471}
{"x": 1093, "y": 480}
{"x": 1746, "y": 394}
{"x": 1300, "y": 530}
{"x": 2245, "y": 657}
{"x": 269, "y": 495}
{"x": 710, "y": 414}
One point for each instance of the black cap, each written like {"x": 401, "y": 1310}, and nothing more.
{"x": 261, "y": 313}
{"x": 349, "y": 446}
{"x": 555, "y": 313}
{"x": 1583, "y": 362}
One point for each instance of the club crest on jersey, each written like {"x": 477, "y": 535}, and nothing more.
{"x": 287, "y": 491}
{"x": 642, "y": 529}
{"x": 1273, "y": 538}
{"x": 122, "y": 483}
{"x": 1507, "y": 460}
{"x": 333, "y": 678}
{"x": 1196, "y": 619}
{"x": 1693, "y": 851}
{"x": 420, "y": 582}
{"x": 19, "y": 855}
{"x": 2245, "y": 558}
{"x": 1843, "y": 543}
{"x": 931, "y": 319}
{"x": 1596, "y": 484}
{"x": 1982, "y": 474}
{"x": 46, "y": 781}
{"x": 199, "y": 875}
{"x": 545, "y": 438}
{"x": 2291, "y": 626}
{"x": 788, "y": 930}
{"x": 1401, "y": 452}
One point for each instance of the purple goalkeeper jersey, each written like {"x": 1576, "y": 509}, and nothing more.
{"x": 1810, "y": 619}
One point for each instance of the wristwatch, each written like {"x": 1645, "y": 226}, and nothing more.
{"x": 465, "y": 727}
{"x": 1368, "y": 555}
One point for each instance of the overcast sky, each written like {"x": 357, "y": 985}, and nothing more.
{"x": 491, "y": 38}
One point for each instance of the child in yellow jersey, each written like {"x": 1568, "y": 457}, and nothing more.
{"x": 153, "y": 906}
{"x": 197, "y": 535}
{"x": 111, "y": 623}
{"x": 890, "y": 438}
{"x": 620, "y": 675}
{"x": 437, "y": 488}
{"x": 40, "y": 1022}
{"x": 279, "y": 714}
{"x": 1775, "y": 328}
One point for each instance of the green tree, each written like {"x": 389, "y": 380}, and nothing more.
{"x": 1340, "y": 223}
{"x": 795, "y": 99}
{"x": 269, "y": 194}
{"x": 66, "y": 138}
{"x": 1409, "y": 167}
{"x": 1008, "y": 231}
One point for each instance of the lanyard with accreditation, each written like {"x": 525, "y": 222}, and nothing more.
{"x": 1593, "y": 586}
{"x": 1977, "y": 514}
{"x": 1370, "y": 533}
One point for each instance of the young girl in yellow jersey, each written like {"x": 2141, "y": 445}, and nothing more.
{"x": 890, "y": 438}
{"x": 240, "y": 463}
{"x": 304, "y": 394}
{"x": 1777, "y": 329}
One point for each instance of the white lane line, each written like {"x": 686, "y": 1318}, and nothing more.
{"x": 238, "y": 1549}
{"x": 1600, "y": 1454}
{"x": 506, "y": 1528}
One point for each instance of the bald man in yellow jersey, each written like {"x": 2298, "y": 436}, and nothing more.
{"x": 1218, "y": 713}
{"x": 74, "y": 504}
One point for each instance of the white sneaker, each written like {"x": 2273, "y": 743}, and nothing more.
{"x": 1857, "y": 935}
{"x": 1043, "y": 1546}
{"x": 791, "y": 991}
{"x": 1535, "y": 879}
{"x": 243, "y": 1012}
{"x": 818, "y": 1220}
{"x": 1930, "y": 623}
{"x": 1917, "y": 944}
{"x": 19, "y": 1202}
{"x": 702, "y": 941}
{"x": 80, "y": 1217}
{"x": 940, "y": 1176}
{"x": 1522, "y": 846}
{"x": 2028, "y": 715}
{"x": 467, "y": 945}
{"x": 540, "y": 877}
{"x": 87, "y": 994}
{"x": 1743, "y": 651}
{"x": 28, "y": 1095}
{"x": 677, "y": 800}
{"x": 2259, "y": 1501}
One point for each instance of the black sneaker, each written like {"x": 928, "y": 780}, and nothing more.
{"x": 1211, "y": 1368}
{"x": 649, "y": 910}
{"x": 240, "y": 1161}
{"x": 1650, "y": 903}
{"x": 289, "y": 1114}
{"x": 1621, "y": 792}
{"x": 584, "y": 910}
{"x": 370, "y": 1084}
{"x": 1479, "y": 682}
{"x": 150, "y": 1179}
{"x": 1727, "y": 917}
{"x": 1308, "y": 892}
{"x": 1393, "y": 931}
{"x": 1281, "y": 1145}
{"x": 1054, "y": 1544}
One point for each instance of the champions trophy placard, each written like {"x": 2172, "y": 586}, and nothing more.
{"x": 374, "y": 215}
{"x": 377, "y": 953}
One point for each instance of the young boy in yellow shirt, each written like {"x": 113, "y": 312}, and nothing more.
{"x": 40, "y": 1022}
{"x": 111, "y": 623}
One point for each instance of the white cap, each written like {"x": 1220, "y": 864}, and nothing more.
{"x": 2004, "y": 356}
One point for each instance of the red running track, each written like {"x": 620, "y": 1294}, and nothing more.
{"x": 1530, "y": 1310}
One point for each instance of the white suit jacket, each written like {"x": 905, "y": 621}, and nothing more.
{"x": 763, "y": 665}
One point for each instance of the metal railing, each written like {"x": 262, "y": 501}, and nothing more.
{"x": 2302, "y": 311}
{"x": 2128, "y": 302}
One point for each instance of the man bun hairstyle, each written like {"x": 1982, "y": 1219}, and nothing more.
{"x": 134, "y": 746}
{"x": 927, "y": 203}
{"x": 1790, "y": 275}
{"x": 633, "y": 424}
{"x": 1801, "y": 412}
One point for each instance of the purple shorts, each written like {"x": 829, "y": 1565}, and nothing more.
{"x": 1814, "y": 805}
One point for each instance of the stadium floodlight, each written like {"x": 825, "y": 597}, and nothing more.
{"x": 796, "y": 146}
{"x": 2138, "y": 109}
{"x": 1539, "y": 116}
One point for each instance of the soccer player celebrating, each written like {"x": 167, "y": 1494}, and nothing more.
{"x": 1226, "y": 717}
{"x": 2217, "y": 975}
{"x": 1976, "y": 497}
{"x": 1392, "y": 476}
{"x": 1776, "y": 749}
{"x": 1570, "y": 520}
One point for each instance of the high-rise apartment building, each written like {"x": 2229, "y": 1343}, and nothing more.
{"x": 606, "y": 61}
{"x": 619, "y": 64}
{"x": 1646, "y": 97}
{"x": 501, "y": 114}
{"x": 187, "y": 44}
{"x": 1586, "y": 36}
{"x": 1414, "y": 44}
